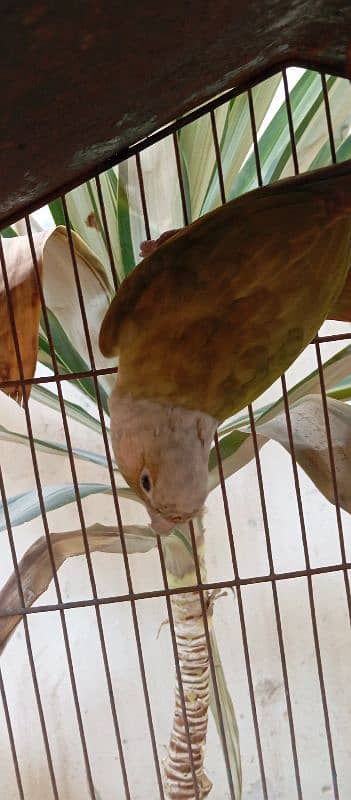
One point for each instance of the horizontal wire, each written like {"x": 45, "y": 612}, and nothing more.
{"x": 88, "y": 373}
{"x": 231, "y": 583}
{"x": 91, "y": 373}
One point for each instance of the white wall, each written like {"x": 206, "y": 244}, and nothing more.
{"x": 51, "y": 662}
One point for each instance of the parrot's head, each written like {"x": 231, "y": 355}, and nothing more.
{"x": 162, "y": 452}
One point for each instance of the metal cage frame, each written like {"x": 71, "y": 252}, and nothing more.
{"x": 132, "y": 597}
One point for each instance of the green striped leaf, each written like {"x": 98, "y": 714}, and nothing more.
{"x": 68, "y": 358}
{"x": 76, "y": 412}
{"x": 53, "y": 448}
{"x": 25, "y": 507}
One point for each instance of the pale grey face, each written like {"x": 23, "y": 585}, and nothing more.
{"x": 174, "y": 488}
{"x": 163, "y": 454}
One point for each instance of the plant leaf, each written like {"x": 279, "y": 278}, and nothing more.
{"x": 314, "y": 146}
{"x": 69, "y": 359}
{"x": 24, "y": 507}
{"x": 53, "y": 448}
{"x": 231, "y": 729}
{"x": 342, "y": 390}
{"x": 235, "y": 441}
{"x": 311, "y": 446}
{"x": 123, "y": 221}
{"x": 8, "y": 233}
{"x": 161, "y": 187}
{"x": 56, "y": 209}
{"x": 237, "y": 129}
{"x": 25, "y": 302}
{"x": 35, "y": 566}
{"x": 61, "y": 296}
{"x": 50, "y": 399}
{"x": 274, "y": 144}
{"x": 85, "y": 215}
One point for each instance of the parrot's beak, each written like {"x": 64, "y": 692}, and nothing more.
{"x": 163, "y": 526}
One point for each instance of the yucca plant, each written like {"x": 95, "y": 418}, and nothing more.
{"x": 102, "y": 263}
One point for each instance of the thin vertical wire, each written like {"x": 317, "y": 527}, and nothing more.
{"x": 142, "y": 195}
{"x": 44, "y": 517}
{"x": 86, "y": 546}
{"x": 180, "y": 179}
{"x": 329, "y": 119}
{"x": 116, "y": 501}
{"x": 28, "y": 642}
{"x": 242, "y": 619}
{"x": 255, "y": 137}
{"x": 197, "y": 567}
{"x": 10, "y": 535}
{"x": 116, "y": 281}
{"x": 333, "y": 475}
{"x": 265, "y": 516}
{"x": 218, "y": 155}
{"x": 290, "y": 122}
{"x": 310, "y": 591}
{"x": 234, "y": 560}
{"x": 298, "y": 494}
{"x": 276, "y": 604}
{"x": 11, "y": 737}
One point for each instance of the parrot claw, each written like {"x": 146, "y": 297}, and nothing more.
{"x": 150, "y": 245}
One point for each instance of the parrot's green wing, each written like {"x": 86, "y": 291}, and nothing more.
{"x": 341, "y": 308}
{"x": 212, "y": 318}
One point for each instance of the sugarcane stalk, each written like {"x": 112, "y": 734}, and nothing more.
{"x": 195, "y": 675}
{"x": 196, "y": 679}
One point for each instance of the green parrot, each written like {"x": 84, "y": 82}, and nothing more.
{"x": 210, "y": 319}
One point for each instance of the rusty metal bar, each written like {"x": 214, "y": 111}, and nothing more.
{"x": 59, "y": 377}
{"x": 265, "y": 515}
{"x": 232, "y": 583}
{"x": 11, "y": 737}
{"x": 333, "y": 475}
{"x": 180, "y": 179}
{"x": 336, "y": 337}
{"x": 46, "y": 525}
{"x": 328, "y": 116}
{"x": 290, "y": 122}
{"x": 115, "y": 279}
{"x": 164, "y": 574}
{"x": 234, "y": 560}
{"x": 113, "y": 370}
{"x": 310, "y": 593}
{"x": 255, "y": 137}
{"x": 142, "y": 195}
{"x": 218, "y": 155}
{"x": 191, "y": 527}
{"x": 29, "y": 645}
{"x": 11, "y": 541}
{"x": 276, "y": 605}
{"x": 116, "y": 502}
{"x": 242, "y": 621}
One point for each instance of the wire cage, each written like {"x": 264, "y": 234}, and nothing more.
{"x": 284, "y": 639}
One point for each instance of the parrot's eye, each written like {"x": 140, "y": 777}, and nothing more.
{"x": 146, "y": 482}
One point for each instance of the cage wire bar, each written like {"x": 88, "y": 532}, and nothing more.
{"x": 201, "y": 587}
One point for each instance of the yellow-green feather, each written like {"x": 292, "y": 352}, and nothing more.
{"x": 217, "y": 313}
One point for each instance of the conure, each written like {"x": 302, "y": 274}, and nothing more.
{"x": 210, "y": 318}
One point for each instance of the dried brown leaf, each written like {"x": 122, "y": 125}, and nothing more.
{"x": 25, "y": 303}
{"x": 311, "y": 444}
{"x": 35, "y": 567}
